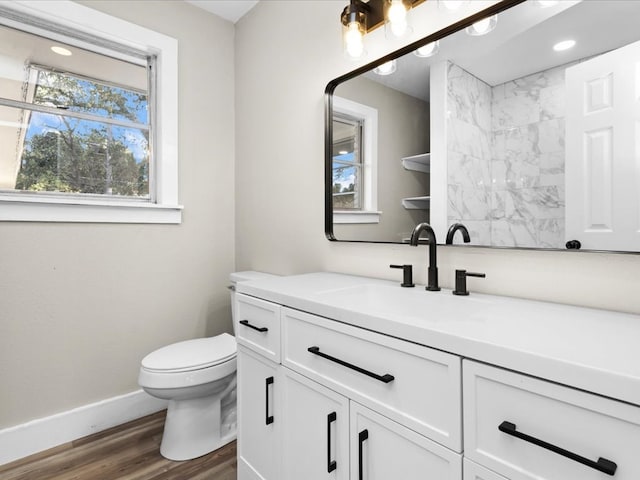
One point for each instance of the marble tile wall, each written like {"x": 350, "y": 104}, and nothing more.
{"x": 469, "y": 150}
{"x": 506, "y": 158}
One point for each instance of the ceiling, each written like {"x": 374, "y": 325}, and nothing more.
{"x": 521, "y": 43}
{"x": 232, "y": 10}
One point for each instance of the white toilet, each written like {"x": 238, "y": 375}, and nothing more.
{"x": 198, "y": 377}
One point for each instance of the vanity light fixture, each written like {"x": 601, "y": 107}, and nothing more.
{"x": 564, "y": 45}
{"x": 61, "y": 51}
{"x": 361, "y": 17}
{"x": 397, "y": 19}
{"x": 428, "y": 50}
{"x": 482, "y": 27}
{"x": 386, "y": 68}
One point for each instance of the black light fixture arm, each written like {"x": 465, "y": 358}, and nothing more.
{"x": 371, "y": 13}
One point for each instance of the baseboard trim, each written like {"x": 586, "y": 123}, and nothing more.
{"x": 44, "y": 433}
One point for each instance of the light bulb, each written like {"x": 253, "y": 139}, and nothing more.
{"x": 482, "y": 27}
{"x": 428, "y": 50}
{"x": 386, "y": 68}
{"x": 397, "y": 21}
{"x": 353, "y": 41}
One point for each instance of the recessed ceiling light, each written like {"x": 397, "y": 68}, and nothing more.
{"x": 61, "y": 51}
{"x": 564, "y": 45}
{"x": 342, "y": 152}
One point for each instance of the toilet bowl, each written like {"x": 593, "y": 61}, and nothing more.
{"x": 198, "y": 377}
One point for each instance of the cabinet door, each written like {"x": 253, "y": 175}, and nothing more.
{"x": 258, "y": 417}
{"x": 315, "y": 430}
{"x": 382, "y": 449}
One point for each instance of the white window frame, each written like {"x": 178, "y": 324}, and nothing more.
{"x": 164, "y": 207}
{"x": 369, "y": 116}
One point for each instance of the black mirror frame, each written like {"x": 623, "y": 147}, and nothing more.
{"x": 328, "y": 104}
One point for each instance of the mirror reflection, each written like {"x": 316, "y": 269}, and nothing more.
{"x": 526, "y": 134}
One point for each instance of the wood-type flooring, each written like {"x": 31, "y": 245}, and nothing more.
{"x": 126, "y": 452}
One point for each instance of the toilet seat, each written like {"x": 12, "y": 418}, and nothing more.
{"x": 191, "y": 355}
{"x": 189, "y": 363}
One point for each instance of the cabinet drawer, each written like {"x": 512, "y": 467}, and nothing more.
{"x": 414, "y": 385}
{"x": 258, "y": 326}
{"x": 550, "y": 429}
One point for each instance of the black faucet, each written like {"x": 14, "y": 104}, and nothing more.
{"x": 452, "y": 231}
{"x": 432, "y": 271}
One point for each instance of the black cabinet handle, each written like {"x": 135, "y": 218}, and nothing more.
{"x": 268, "y": 418}
{"x": 386, "y": 378}
{"x": 602, "y": 465}
{"x": 331, "y": 464}
{"x": 259, "y": 329}
{"x": 362, "y": 436}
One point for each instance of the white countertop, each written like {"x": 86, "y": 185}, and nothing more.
{"x": 590, "y": 349}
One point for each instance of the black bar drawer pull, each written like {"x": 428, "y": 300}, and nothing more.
{"x": 602, "y": 465}
{"x": 259, "y": 329}
{"x": 268, "y": 418}
{"x": 362, "y": 436}
{"x": 331, "y": 464}
{"x": 386, "y": 378}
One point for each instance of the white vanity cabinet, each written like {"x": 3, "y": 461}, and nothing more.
{"x": 411, "y": 384}
{"x": 325, "y": 435}
{"x": 259, "y": 405}
{"x": 331, "y": 371}
{"x": 525, "y": 428}
{"x": 378, "y": 382}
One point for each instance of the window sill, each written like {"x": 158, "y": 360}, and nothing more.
{"x": 80, "y": 211}
{"x": 356, "y": 217}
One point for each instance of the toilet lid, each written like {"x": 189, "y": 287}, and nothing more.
{"x": 192, "y": 354}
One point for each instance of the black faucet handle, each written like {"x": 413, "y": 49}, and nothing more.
{"x": 407, "y": 275}
{"x": 461, "y": 281}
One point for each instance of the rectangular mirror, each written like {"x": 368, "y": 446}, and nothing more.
{"x": 528, "y": 134}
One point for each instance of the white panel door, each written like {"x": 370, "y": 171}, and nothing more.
{"x": 315, "y": 430}
{"x": 382, "y": 449}
{"x": 259, "y": 417}
{"x": 602, "y": 170}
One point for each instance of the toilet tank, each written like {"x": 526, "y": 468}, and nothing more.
{"x": 237, "y": 277}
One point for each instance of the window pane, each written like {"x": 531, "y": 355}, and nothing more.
{"x": 346, "y": 178}
{"x": 347, "y": 164}
{"x": 96, "y": 143}
{"x": 75, "y": 94}
{"x": 54, "y": 153}
{"x": 25, "y": 58}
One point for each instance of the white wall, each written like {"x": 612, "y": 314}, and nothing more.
{"x": 286, "y": 52}
{"x": 81, "y": 304}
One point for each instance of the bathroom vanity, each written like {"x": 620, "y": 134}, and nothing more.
{"x": 345, "y": 377}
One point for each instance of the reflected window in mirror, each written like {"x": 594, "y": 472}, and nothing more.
{"x": 347, "y": 162}
{"x": 354, "y": 162}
